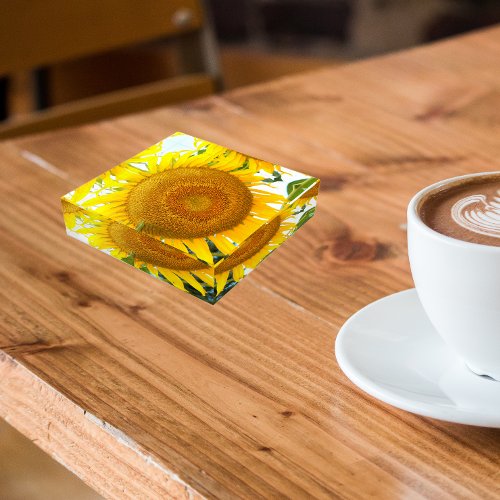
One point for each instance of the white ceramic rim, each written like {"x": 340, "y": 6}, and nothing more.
{"x": 414, "y": 216}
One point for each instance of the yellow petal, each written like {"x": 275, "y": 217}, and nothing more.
{"x": 223, "y": 244}
{"x": 200, "y": 248}
{"x": 172, "y": 278}
{"x": 192, "y": 281}
{"x": 82, "y": 191}
{"x": 176, "y": 244}
{"x": 220, "y": 281}
{"x": 238, "y": 272}
{"x": 207, "y": 278}
{"x": 118, "y": 197}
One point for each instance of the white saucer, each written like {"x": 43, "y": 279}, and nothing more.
{"x": 391, "y": 351}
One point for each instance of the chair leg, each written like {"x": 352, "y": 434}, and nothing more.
{"x": 4, "y": 105}
{"x": 41, "y": 88}
{"x": 210, "y": 50}
{"x": 199, "y": 53}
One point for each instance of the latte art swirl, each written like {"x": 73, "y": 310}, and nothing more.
{"x": 479, "y": 215}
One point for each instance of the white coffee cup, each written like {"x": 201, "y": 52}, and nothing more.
{"x": 458, "y": 284}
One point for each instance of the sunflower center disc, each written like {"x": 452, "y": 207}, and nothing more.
{"x": 186, "y": 203}
{"x": 197, "y": 202}
{"x": 251, "y": 246}
{"x": 152, "y": 251}
{"x": 69, "y": 208}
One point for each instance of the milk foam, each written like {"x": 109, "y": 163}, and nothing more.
{"x": 479, "y": 215}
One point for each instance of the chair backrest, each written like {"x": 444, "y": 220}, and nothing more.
{"x": 36, "y": 33}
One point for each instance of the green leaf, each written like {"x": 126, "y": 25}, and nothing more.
{"x": 296, "y": 188}
{"x": 145, "y": 269}
{"x": 129, "y": 259}
{"x": 275, "y": 178}
{"x": 243, "y": 166}
{"x": 201, "y": 151}
{"x": 304, "y": 218}
{"x": 291, "y": 186}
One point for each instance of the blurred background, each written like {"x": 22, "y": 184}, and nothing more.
{"x": 65, "y": 63}
{"x": 93, "y": 60}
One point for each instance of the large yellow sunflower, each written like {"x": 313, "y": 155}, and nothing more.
{"x": 263, "y": 242}
{"x": 198, "y": 201}
{"x": 147, "y": 254}
{"x": 192, "y": 213}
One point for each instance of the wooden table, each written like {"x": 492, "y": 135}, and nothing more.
{"x": 146, "y": 392}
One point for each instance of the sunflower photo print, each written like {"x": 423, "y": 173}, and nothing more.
{"x": 192, "y": 213}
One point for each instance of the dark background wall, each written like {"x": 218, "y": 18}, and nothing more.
{"x": 353, "y": 28}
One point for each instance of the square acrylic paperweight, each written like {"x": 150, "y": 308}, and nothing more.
{"x": 191, "y": 213}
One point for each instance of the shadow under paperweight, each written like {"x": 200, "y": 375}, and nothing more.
{"x": 191, "y": 213}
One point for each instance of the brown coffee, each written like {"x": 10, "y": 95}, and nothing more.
{"x": 467, "y": 209}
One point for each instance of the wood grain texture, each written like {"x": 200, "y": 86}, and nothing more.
{"x": 245, "y": 399}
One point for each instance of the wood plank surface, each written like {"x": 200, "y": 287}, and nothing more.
{"x": 145, "y": 392}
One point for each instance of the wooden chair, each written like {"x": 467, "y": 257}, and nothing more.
{"x": 39, "y": 33}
